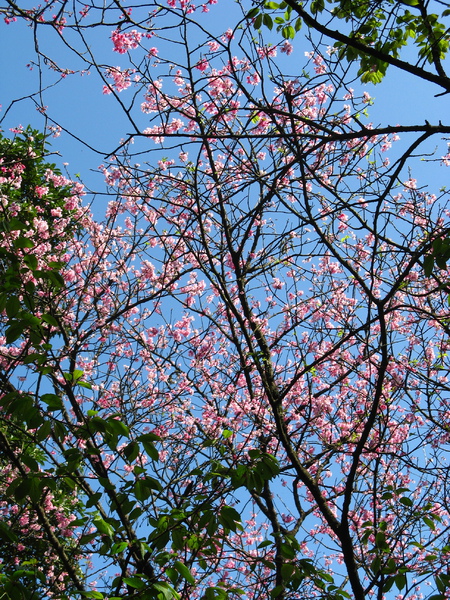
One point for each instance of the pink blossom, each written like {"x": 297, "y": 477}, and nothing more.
{"x": 41, "y": 191}
{"x": 267, "y": 51}
{"x": 277, "y": 284}
{"x": 213, "y": 46}
{"x": 411, "y": 184}
{"x": 122, "y": 79}
{"x": 202, "y": 65}
{"x": 125, "y": 41}
{"x": 287, "y": 47}
{"x": 228, "y": 35}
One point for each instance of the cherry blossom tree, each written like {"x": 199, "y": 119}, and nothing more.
{"x": 240, "y": 370}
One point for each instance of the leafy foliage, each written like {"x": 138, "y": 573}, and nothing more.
{"x": 372, "y": 34}
{"x": 39, "y": 216}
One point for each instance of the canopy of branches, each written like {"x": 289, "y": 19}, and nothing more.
{"x": 225, "y": 373}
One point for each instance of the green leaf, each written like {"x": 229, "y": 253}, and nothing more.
{"x": 29, "y": 487}
{"x": 390, "y": 567}
{"x": 375, "y": 565}
{"x": 151, "y": 450}
{"x": 92, "y": 500}
{"x": 287, "y": 551}
{"x": 258, "y": 21}
{"x": 400, "y": 581}
{"x": 7, "y": 533}
{"x": 184, "y": 572}
{"x": 254, "y": 454}
{"x": 147, "y": 440}
{"x": 388, "y": 584}
{"x": 60, "y": 431}
{"x": 406, "y": 501}
{"x": 98, "y": 424}
{"x": 31, "y": 261}
{"x": 317, "y": 6}
{"x": 143, "y": 488}
{"x": 16, "y": 225}
{"x": 149, "y": 437}
{"x": 54, "y": 278}
{"x": 252, "y": 13}
{"x": 230, "y": 518}
{"x": 440, "y": 584}
{"x": 215, "y": 593}
{"x": 77, "y": 374}
{"x": 53, "y": 401}
{"x": 287, "y": 570}
{"x": 172, "y": 574}
{"x": 117, "y": 427}
{"x": 380, "y": 540}
{"x": 50, "y": 320}
{"x": 131, "y": 451}
{"x": 119, "y": 547}
{"x": 34, "y": 358}
{"x": 167, "y": 591}
{"x": 56, "y": 265}
{"x": 14, "y": 331}
{"x": 441, "y": 262}
{"x": 267, "y": 21}
{"x": 134, "y": 582}
{"x": 22, "y": 242}
{"x": 44, "y": 431}
{"x": 12, "y": 306}
{"x": 30, "y": 462}
{"x": 85, "y": 384}
{"x": 277, "y": 591}
{"x": 288, "y": 32}
{"x": 103, "y": 527}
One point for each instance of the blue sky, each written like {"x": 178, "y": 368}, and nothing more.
{"x": 78, "y": 104}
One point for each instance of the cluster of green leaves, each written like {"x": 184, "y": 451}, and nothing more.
{"x": 285, "y": 23}
{"x": 31, "y": 149}
{"x": 20, "y": 267}
{"x": 25, "y": 482}
{"x": 381, "y": 29}
{"x": 252, "y": 474}
{"x": 438, "y": 256}
{"x": 387, "y": 27}
{"x": 296, "y": 572}
{"x": 383, "y": 564}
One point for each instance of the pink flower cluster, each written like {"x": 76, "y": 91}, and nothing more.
{"x": 124, "y": 41}
{"x": 122, "y": 79}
